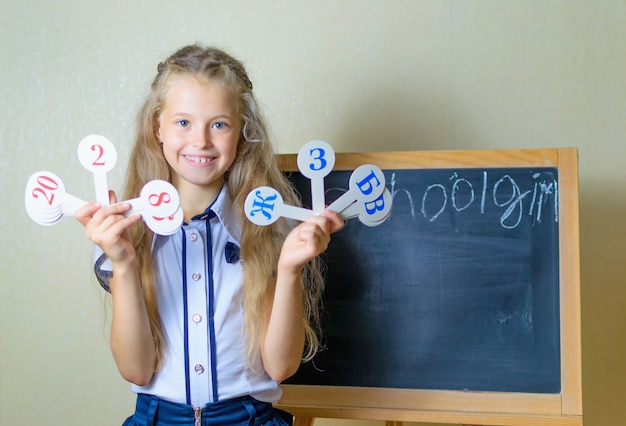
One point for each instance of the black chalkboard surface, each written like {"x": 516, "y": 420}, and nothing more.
{"x": 458, "y": 290}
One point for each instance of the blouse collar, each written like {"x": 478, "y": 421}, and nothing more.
{"x": 225, "y": 212}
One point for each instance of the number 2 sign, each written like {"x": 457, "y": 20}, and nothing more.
{"x": 97, "y": 154}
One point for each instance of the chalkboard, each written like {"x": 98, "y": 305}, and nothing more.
{"x": 467, "y": 289}
{"x": 458, "y": 289}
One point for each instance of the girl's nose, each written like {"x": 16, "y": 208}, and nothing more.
{"x": 201, "y": 139}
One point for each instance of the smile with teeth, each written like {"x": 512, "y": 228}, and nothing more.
{"x": 198, "y": 160}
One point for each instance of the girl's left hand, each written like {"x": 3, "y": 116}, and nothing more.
{"x": 308, "y": 240}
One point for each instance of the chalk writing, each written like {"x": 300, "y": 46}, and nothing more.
{"x": 502, "y": 192}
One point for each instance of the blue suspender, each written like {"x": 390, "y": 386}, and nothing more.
{"x": 211, "y": 301}
{"x": 186, "y": 321}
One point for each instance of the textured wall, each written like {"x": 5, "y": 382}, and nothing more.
{"x": 363, "y": 75}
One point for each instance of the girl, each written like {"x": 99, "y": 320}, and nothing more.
{"x": 207, "y": 321}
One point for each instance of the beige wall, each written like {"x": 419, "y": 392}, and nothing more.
{"x": 362, "y": 75}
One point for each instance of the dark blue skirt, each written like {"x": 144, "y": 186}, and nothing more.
{"x": 153, "y": 411}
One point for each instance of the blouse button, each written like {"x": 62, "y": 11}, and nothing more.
{"x": 196, "y": 276}
{"x": 196, "y": 318}
{"x": 198, "y": 369}
{"x": 193, "y": 237}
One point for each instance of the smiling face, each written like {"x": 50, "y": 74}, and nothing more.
{"x": 199, "y": 127}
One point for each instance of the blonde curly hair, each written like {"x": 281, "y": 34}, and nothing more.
{"x": 254, "y": 165}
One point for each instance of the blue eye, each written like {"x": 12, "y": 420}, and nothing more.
{"x": 183, "y": 123}
{"x": 220, "y": 125}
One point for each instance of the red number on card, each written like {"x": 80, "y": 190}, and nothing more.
{"x": 161, "y": 198}
{"x": 98, "y": 161}
{"x": 46, "y": 183}
{"x": 170, "y": 218}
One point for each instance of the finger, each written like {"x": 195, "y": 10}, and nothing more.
{"x": 117, "y": 225}
{"x": 336, "y": 221}
{"x": 316, "y": 236}
{"x": 317, "y": 224}
{"x": 112, "y": 197}
{"x": 85, "y": 213}
{"x": 106, "y": 217}
{"x": 115, "y": 214}
{"x": 113, "y": 209}
{"x": 313, "y": 234}
{"x": 318, "y": 221}
{"x": 111, "y": 229}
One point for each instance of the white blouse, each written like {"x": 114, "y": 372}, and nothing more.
{"x": 199, "y": 283}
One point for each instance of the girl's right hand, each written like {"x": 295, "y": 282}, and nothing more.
{"x": 107, "y": 227}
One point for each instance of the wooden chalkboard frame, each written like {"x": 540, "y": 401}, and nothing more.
{"x": 466, "y": 407}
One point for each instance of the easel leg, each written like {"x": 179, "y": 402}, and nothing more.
{"x": 303, "y": 421}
